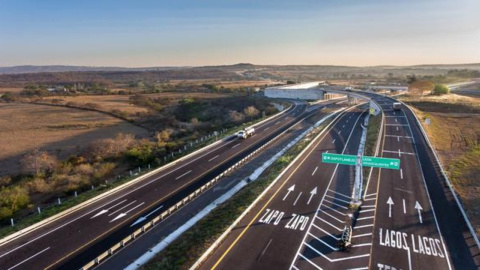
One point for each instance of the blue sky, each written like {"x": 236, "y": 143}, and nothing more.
{"x": 206, "y": 32}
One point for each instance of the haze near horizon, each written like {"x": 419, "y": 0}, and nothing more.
{"x": 189, "y": 33}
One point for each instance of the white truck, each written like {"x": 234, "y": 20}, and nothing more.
{"x": 246, "y": 133}
{"x": 397, "y": 106}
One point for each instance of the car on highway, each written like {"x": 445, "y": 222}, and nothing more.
{"x": 247, "y": 132}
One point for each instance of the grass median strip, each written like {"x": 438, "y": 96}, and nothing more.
{"x": 184, "y": 251}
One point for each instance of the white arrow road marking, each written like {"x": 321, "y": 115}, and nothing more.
{"x": 124, "y": 214}
{"x": 390, "y": 203}
{"x": 119, "y": 209}
{"x": 313, "y": 192}
{"x": 419, "y": 208}
{"x": 106, "y": 210}
{"x": 290, "y": 189}
{"x": 146, "y": 216}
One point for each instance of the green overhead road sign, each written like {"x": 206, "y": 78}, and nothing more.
{"x": 340, "y": 159}
{"x": 385, "y": 163}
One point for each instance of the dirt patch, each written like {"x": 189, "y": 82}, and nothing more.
{"x": 61, "y": 131}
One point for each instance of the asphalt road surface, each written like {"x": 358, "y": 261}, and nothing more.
{"x": 297, "y": 222}
{"x": 91, "y": 229}
{"x": 408, "y": 219}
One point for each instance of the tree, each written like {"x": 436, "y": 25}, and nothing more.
{"x": 441, "y": 89}
{"x": 12, "y": 199}
{"x": 163, "y": 136}
{"x": 411, "y": 78}
{"x": 38, "y": 162}
{"x": 251, "y": 111}
{"x": 420, "y": 87}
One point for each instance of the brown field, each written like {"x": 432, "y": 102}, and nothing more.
{"x": 456, "y": 138}
{"x": 61, "y": 131}
{"x": 106, "y": 103}
{"x": 15, "y": 90}
{"x": 177, "y": 95}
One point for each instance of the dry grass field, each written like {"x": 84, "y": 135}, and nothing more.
{"x": 61, "y": 131}
{"x": 456, "y": 138}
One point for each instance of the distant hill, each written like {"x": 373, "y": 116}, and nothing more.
{"x": 60, "y": 68}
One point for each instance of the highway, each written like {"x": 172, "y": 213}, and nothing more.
{"x": 306, "y": 208}
{"x": 91, "y": 229}
{"x": 409, "y": 218}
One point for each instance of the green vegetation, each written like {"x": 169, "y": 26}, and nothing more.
{"x": 441, "y": 89}
{"x": 184, "y": 251}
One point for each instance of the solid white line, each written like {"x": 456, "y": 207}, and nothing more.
{"x": 369, "y": 206}
{"x": 306, "y": 259}
{"x": 267, "y": 128}
{"x": 183, "y": 175}
{"x": 329, "y": 234}
{"x": 401, "y": 173}
{"x": 335, "y": 198}
{"x": 326, "y": 244}
{"x": 326, "y": 213}
{"x": 334, "y": 140}
{"x": 340, "y": 230}
{"x": 396, "y": 125}
{"x": 328, "y": 207}
{"x": 213, "y": 158}
{"x": 362, "y": 235}
{"x": 293, "y": 266}
{"x": 29, "y": 258}
{"x": 366, "y": 210}
{"x": 235, "y": 145}
{"x": 363, "y": 218}
{"x": 371, "y": 194}
{"x": 399, "y": 152}
{"x": 314, "y": 170}
{"x": 364, "y": 226}
{"x": 134, "y": 208}
{"x": 298, "y": 197}
{"x": 362, "y": 245}
{"x": 387, "y": 135}
{"x": 340, "y": 194}
{"x": 339, "y": 132}
{"x": 339, "y": 205}
{"x": 119, "y": 209}
{"x": 404, "y": 209}
{"x": 265, "y": 249}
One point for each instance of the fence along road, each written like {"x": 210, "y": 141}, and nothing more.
{"x": 53, "y": 243}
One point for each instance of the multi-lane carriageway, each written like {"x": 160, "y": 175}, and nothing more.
{"x": 408, "y": 219}
{"x": 105, "y": 222}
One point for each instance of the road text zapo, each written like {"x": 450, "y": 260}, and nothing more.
{"x": 296, "y": 222}
{"x": 420, "y": 244}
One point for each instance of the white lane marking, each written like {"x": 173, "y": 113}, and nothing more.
{"x": 361, "y": 235}
{"x": 326, "y": 151}
{"x": 335, "y": 198}
{"x": 339, "y": 132}
{"x": 399, "y": 152}
{"x": 277, "y": 122}
{"x": 398, "y": 138}
{"x": 327, "y": 233}
{"x": 213, "y": 158}
{"x": 183, "y": 175}
{"x": 266, "y": 128}
{"x": 361, "y": 245}
{"x": 401, "y": 173}
{"x": 396, "y": 120}
{"x": 265, "y": 249}
{"x": 340, "y": 230}
{"x": 235, "y": 145}
{"x": 290, "y": 189}
{"x": 343, "y": 126}
{"x": 316, "y": 168}
{"x": 339, "y": 194}
{"x": 367, "y": 210}
{"x": 363, "y": 218}
{"x": 419, "y": 208}
{"x": 326, "y": 213}
{"x": 404, "y": 208}
{"x": 106, "y": 210}
{"x": 397, "y": 128}
{"x": 408, "y": 137}
{"x": 29, "y": 258}
{"x": 396, "y": 125}
{"x": 298, "y": 197}
{"x": 333, "y": 260}
{"x": 126, "y": 194}
{"x": 364, "y": 226}
{"x": 323, "y": 242}
{"x": 308, "y": 260}
{"x": 312, "y": 193}
{"x": 120, "y": 209}
{"x": 334, "y": 210}
{"x": 124, "y": 214}
{"x": 334, "y": 140}
{"x": 339, "y": 205}
{"x": 371, "y": 194}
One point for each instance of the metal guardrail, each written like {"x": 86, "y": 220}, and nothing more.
{"x": 110, "y": 251}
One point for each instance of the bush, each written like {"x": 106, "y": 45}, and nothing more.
{"x": 441, "y": 89}
{"x": 13, "y": 199}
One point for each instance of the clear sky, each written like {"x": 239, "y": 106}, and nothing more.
{"x": 206, "y": 32}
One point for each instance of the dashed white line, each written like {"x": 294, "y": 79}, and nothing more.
{"x": 404, "y": 208}
{"x": 316, "y": 168}
{"x": 298, "y": 197}
{"x": 183, "y": 175}
{"x": 235, "y": 145}
{"x": 334, "y": 140}
{"x": 29, "y": 258}
{"x": 401, "y": 173}
{"x": 213, "y": 158}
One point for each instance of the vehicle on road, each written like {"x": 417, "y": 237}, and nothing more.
{"x": 397, "y": 106}
{"x": 246, "y": 133}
